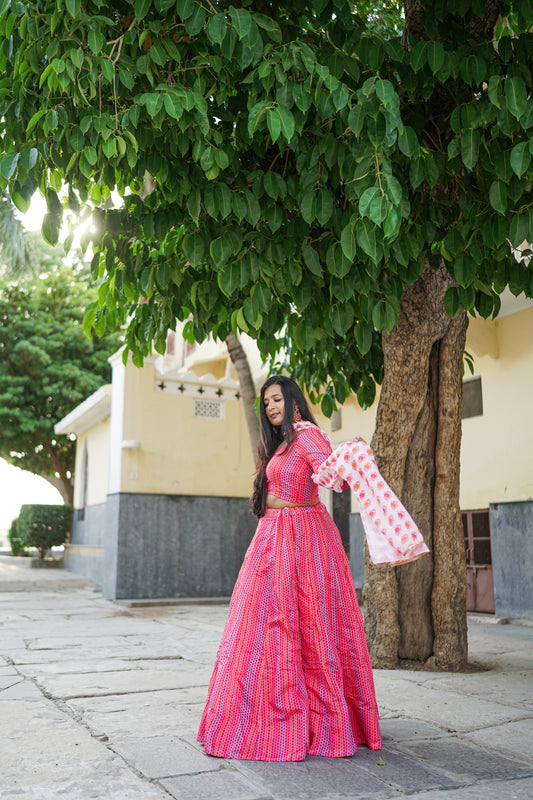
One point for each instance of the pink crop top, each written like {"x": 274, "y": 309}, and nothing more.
{"x": 289, "y": 471}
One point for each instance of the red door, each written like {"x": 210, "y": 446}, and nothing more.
{"x": 479, "y": 581}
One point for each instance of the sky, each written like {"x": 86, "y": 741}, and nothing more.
{"x": 18, "y": 487}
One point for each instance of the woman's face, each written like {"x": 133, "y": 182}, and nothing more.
{"x": 274, "y": 404}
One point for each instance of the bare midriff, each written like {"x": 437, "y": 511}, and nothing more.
{"x": 277, "y": 502}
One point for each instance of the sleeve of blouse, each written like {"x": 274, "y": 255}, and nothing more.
{"x": 314, "y": 446}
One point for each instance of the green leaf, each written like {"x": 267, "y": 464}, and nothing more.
{"x": 242, "y": 21}
{"x": 269, "y": 25}
{"x": 470, "y": 141}
{"x": 435, "y": 55}
{"x": 50, "y": 228}
{"x": 88, "y": 319}
{"x": 302, "y": 95}
{"x": 485, "y": 304}
{"x": 287, "y": 122}
{"x": 385, "y": 91}
{"x": 324, "y": 206}
{"x": 194, "y": 248}
{"x": 431, "y": 171}
{"x": 95, "y": 40}
{"x": 173, "y": 106}
{"x": 308, "y": 207}
{"x": 515, "y": 96}
{"x": 495, "y": 90}
{"x": 366, "y": 199}
{"x": 378, "y": 210}
{"x": 408, "y": 142}
{"x": 363, "y": 337}
{"x": 255, "y": 115}
{"x": 141, "y": 8}
{"x": 451, "y": 302}
{"x": 348, "y": 243}
{"x": 216, "y": 29}
{"x": 304, "y": 336}
{"x": 274, "y": 123}
{"x": 342, "y": 317}
{"x": 34, "y": 119}
{"x": 8, "y": 165}
{"x": 185, "y": 8}
{"x": 220, "y": 250}
{"x": 312, "y": 260}
{"x": 520, "y": 158}
{"x": 22, "y": 203}
{"x": 366, "y": 237}
{"x": 195, "y": 23}
{"x": 356, "y": 119}
{"x": 253, "y": 213}
{"x": 73, "y": 7}
{"x": 464, "y": 270}
{"x": 419, "y": 55}
{"x": 239, "y": 206}
{"x": 340, "y": 97}
{"x": 394, "y": 189}
{"x": 379, "y": 316}
{"x": 391, "y": 316}
{"x": 498, "y": 196}
{"x": 154, "y": 103}
{"x": 519, "y": 229}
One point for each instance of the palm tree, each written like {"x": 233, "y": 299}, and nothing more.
{"x": 16, "y": 252}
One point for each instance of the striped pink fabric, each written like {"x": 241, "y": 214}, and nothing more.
{"x": 288, "y": 474}
{"x": 292, "y": 675}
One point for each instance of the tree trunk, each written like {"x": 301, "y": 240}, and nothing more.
{"x": 60, "y": 480}
{"x": 240, "y": 361}
{"x": 408, "y": 613}
{"x": 66, "y": 492}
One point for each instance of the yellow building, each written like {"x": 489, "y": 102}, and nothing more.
{"x": 164, "y": 471}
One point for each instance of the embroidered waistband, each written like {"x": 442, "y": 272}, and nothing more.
{"x": 290, "y": 510}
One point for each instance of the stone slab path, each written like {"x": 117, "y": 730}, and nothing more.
{"x": 102, "y": 700}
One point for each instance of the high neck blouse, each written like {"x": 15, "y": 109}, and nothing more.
{"x": 289, "y": 471}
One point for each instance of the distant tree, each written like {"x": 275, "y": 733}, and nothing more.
{"x": 16, "y": 254}
{"x": 48, "y": 365}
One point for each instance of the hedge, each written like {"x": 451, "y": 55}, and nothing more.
{"x": 44, "y": 526}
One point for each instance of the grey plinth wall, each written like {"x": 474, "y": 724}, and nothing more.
{"x": 357, "y": 553}
{"x": 511, "y": 526}
{"x": 148, "y": 546}
{"x": 174, "y": 546}
{"x": 87, "y": 539}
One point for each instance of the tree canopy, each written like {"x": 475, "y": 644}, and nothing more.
{"x": 47, "y": 367}
{"x": 280, "y": 164}
{"x": 342, "y": 180}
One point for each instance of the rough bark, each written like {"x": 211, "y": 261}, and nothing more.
{"x": 448, "y": 603}
{"x": 240, "y": 361}
{"x": 415, "y": 579}
{"x": 417, "y": 449}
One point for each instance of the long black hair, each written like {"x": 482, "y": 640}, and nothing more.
{"x": 272, "y": 437}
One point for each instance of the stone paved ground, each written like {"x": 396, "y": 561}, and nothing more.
{"x": 102, "y": 700}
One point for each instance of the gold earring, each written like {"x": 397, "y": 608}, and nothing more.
{"x": 297, "y": 415}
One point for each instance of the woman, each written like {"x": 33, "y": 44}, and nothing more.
{"x": 293, "y": 675}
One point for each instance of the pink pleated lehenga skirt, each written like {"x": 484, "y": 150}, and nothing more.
{"x": 292, "y": 675}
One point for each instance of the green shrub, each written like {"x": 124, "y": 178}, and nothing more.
{"x": 15, "y": 542}
{"x": 43, "y": 526}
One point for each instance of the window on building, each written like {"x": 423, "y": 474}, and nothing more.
{"x": 208, "y": 409}
{"x": 472, "y": 398}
